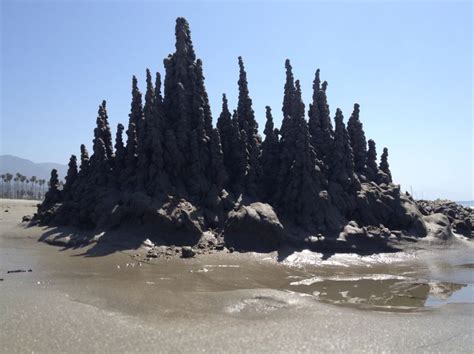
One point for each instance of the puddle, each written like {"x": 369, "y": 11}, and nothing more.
{"x": 385, "y": 292}
{"x": 463, "y": 295}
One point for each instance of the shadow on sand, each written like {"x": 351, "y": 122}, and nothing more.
{"x": 97, "y": 243}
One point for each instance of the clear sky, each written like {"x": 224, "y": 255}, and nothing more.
{"x": 409, "y": 66}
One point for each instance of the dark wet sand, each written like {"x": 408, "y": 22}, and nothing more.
{"x": 229, "y": 302}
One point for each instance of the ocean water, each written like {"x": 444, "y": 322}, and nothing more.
{"x": 467, "y": 203}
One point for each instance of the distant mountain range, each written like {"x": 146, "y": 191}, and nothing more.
{"x": 13, "y": 164}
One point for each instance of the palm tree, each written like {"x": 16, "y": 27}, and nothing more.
{"x": 8, "y": 178}
{"x": 42, "y": 184}
{"x": 23, "y": 179}
{"x": 22, "y": 185}
{"x": 33, "y": 181}
{"x": 4, "y": 185}
{"x": 27, "y": 190}
{"x": 16, "y": 180}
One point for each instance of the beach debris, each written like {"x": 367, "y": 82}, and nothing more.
{"x": 152, "y": 254}
{"x": 26, "y": 218}
{"x": 187, "y": 252}
{"x": 19, "y": 271}
{"x": 148, "y": 243}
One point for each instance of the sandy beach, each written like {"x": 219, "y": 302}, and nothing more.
{"x": 73, "y": 300}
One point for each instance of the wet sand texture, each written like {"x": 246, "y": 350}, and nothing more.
{"x": 72, "y": 301}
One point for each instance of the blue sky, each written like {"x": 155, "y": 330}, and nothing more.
{"x": 409, "y": 66}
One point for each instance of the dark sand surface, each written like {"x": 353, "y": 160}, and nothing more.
{"x": 74, "y": 301}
